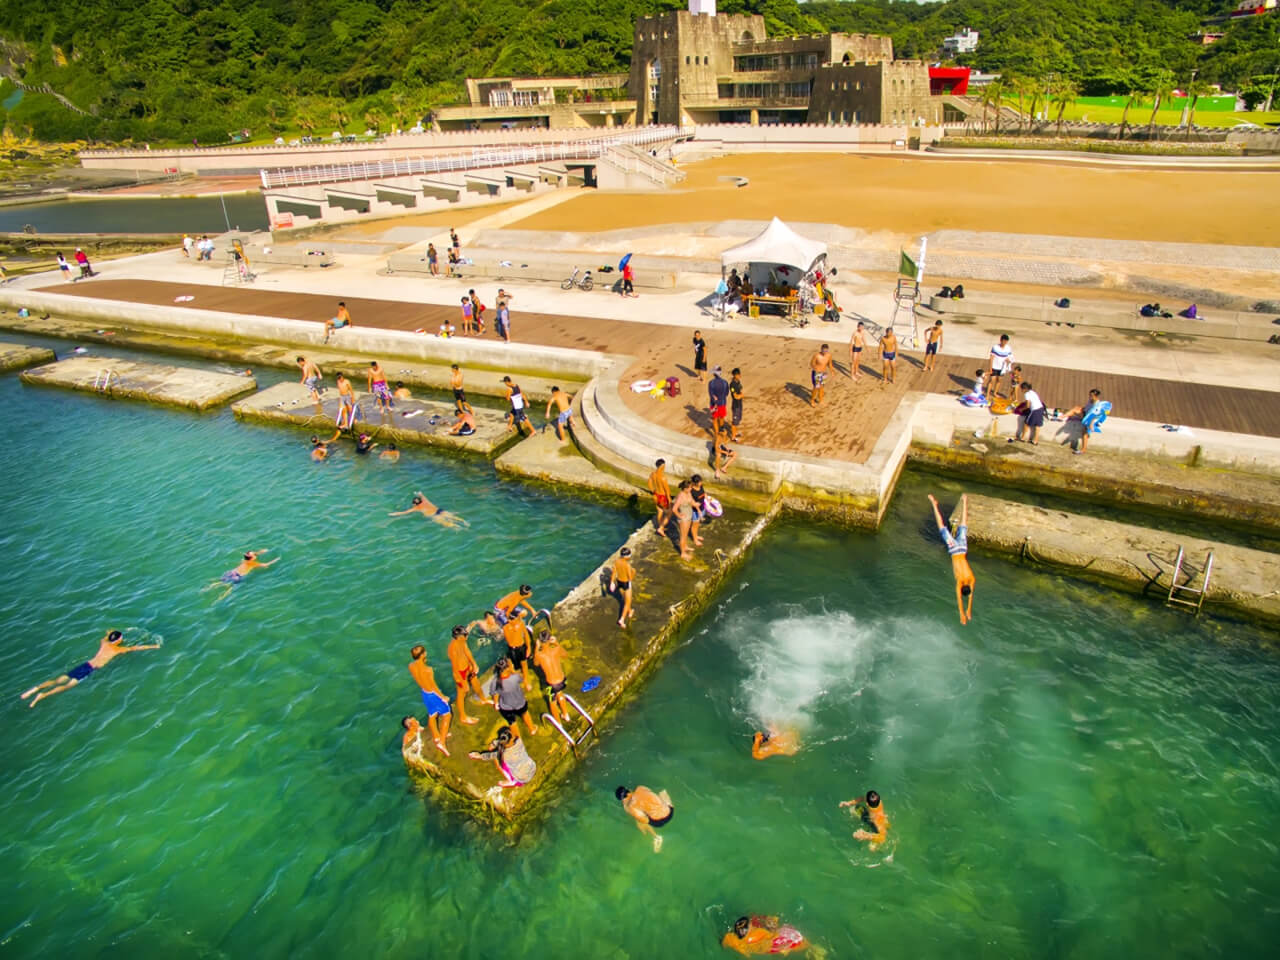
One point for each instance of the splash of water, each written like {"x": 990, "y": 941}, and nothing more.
{"x": 797, "y": 660}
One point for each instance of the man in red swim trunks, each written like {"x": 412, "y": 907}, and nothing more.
{"x": 661, "y": 493}
{"x": 109, "y": 647}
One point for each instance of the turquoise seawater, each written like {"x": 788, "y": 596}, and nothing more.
{"x": 1076, "y": 774}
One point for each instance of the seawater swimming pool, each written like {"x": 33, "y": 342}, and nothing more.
{"x": 1074, "y": 774}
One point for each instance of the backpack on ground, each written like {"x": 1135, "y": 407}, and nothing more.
{"x": 673, "y": 386}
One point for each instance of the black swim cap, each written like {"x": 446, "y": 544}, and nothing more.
{"x": 459, "y": 630}
{"x": 965, "y": 591}
{"x": 526, "y": 589}
{"x": 622, "y": 793}
{"x": 248, "y": 556}
{"x": 873, "y": 799}
{"x": 114, "y": 635}
{"x": 741, "y": 926}
{"x": 405, "y": 722}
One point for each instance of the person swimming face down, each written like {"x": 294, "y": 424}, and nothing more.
{"x": 741, "y": 926}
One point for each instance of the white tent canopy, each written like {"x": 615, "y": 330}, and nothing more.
{"x": 778, "y": 243}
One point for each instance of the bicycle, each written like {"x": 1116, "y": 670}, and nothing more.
{"x": 583, "y": 283}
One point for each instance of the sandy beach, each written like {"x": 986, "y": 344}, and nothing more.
{"x": 914, "y": 195}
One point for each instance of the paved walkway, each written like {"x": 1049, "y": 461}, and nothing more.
{"x": 775, "y": 370}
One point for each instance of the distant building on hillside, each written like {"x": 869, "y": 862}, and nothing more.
{"x": 1250, "y": 8}
{"x": 697, "y": 66}
{"x": 1204, "y": 39}
{"x": 966, "y": 41}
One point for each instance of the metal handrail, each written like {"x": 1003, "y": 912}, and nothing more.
{"x": 573, "y": 741}
{"x": 1200, "y": 593}
{"x": 478, "y": 157}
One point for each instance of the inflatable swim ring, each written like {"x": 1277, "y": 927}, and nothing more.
{"x": 712, "y": 507}
{"x": 642, "y": 386}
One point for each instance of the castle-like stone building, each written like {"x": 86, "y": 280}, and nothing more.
{"x": 697, "y": 66}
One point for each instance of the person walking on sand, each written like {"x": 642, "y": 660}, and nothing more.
{"x": 339, "y": 321}
{"x": 459, "y": 392}
{"x": 661, "y": 494}
{"x": 699, "y": 354}
{"x": 735, "y": 403}
{"x": 507, "y": 695}
{"x": 621, "y": 581}
{"x": 888, "y": 357}
{"x": 82, "y": 259}
{"x": 932, "y": 344}
{"x": 649, "y": 810}
{"x": 549, "y": 661}
{"x": 999, "y": 363}
{"x": 516, "y": 633}
{"x": 109, "y": 647}
{"x": 857, "y": 344}
{"x": 819, "y": 368}
{"x": 564, "y": 419}
{"x": 439, "y": 714}
{"x": 465, "y": 672}
{"x": 718, "y": 399}
{"x": 310, "y": 376}
{"x": 958, "y": 548}
{"x": 503, "y": 321}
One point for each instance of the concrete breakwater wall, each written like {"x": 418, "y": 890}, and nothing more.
{"x": 668, "y": 595}
{"x": 1244, "y": 584}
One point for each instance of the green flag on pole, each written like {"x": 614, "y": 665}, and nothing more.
{"x": 908, "y": 266}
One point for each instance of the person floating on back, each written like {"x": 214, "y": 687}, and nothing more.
{"x": 239, "y": 572}
{"x": 109, "y": 647}
{"x": 958, "y": 547}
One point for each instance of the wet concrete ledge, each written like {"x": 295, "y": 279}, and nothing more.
{"x": 133, "y": 380}
{"x": 668, "y": 595}
{"x": 16, "y": 356}
{"x": 1244, "y": 585}
{"x": 421, "y": 422}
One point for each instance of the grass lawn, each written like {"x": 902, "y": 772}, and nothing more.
{"x": 1172, "y": 117}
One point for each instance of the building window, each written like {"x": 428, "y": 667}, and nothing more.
{"x": 812, "y": 61}
{"x": 499, "y": 98}
{"x": 686, "y": 61}
{"x": 525, "y": 98}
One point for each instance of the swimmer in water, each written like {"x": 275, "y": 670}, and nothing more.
{"x": 364, "y": 443}
{"x": 759, "y": 935}
{"x": 319, "y": 449}
{"x": 109, "y": 647}
{"x": 429, "y": 510}
{"x": 958, "y": 547}
{"x": 391, "y": 453}
{"x": 401, "y": 392}
{"x": 774, "y": 744}
{"x": 875, "y": 823}
{"x": 236, "y": 575}
{"x": 488, "y": 625}
{"x": 650, "y": 810}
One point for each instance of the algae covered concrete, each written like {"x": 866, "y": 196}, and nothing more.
{"x": 422, "y": 422}
{"x": 668, "y": 594}
{"x": 16, "y": 356}
{"x": 543, "y": 458}
{"x": 133, "y": 380}
{"x": 1245, "y": 584}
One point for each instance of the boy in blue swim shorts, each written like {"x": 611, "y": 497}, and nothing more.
{"x": 439, "y": 714}
{"x": 958, "y": 548}
{"x": 563, "y": 402}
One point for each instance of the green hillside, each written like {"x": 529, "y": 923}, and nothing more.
{"x": 181, "y": 69}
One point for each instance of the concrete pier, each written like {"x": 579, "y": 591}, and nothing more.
{"x": 15, "y": 356}
{"x": 1135, "y": 559}
{"x": 422, "y": 422}
{"x": 133, "y": 380}
{"x": 667, "y": 595}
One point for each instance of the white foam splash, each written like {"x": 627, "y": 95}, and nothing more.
{"x": 797, "y": 660}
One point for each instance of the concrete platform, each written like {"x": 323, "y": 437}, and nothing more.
{"x": 409, "y": 423}
{"x": 544, "y": 459}
{"x": 1131, "y": 558}
{"x": 667, "y": 595}
{"x": 16, "y": 356}
{"x": 152, "y": 382}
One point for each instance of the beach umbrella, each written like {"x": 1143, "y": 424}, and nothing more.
{"x": 622, "y": 264}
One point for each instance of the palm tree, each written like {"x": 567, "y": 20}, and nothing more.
{"x": 1195, "y": 90}
{"x": 1161, "y": 87}
{"x": 1132, "y": 98}
{"x": 1064, "y": 94}
{"x": 997, "y": 96}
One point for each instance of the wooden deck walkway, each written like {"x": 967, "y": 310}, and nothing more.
{"x": 775, "y": 370}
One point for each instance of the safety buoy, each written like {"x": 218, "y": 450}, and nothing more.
{"x": 711, "y": 506}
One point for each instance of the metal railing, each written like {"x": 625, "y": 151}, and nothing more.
{"x": 475, "y": 159}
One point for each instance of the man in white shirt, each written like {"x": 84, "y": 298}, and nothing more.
{"x": 999, "y": 363}
{"x": 1034, "y": 416}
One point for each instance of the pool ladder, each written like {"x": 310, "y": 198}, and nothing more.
{"x": 573, "y": 741}
{"x": 1199, "y": 593}
{"x": 102, "y": 382}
